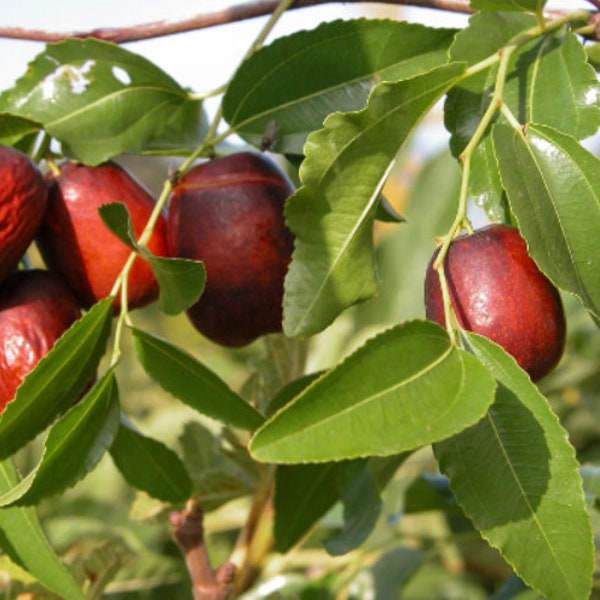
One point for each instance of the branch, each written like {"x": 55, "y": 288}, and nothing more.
{"x": 236, "y": 12}
{"x": 187, "y": 527}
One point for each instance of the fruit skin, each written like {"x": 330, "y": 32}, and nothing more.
{"x": 228, "y": 213}
{"x": 498, "y": 291}
{"x": 22, "y": 205}
{"x": 74, "y": 241}
{"x": 36, "y": 308}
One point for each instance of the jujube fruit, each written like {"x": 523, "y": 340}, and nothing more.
{"x": 228, "y": 213}
{"x": 36, "y": 308}
{"x": 22, "y": 205}
{"x": 74, "y": 241}
{"x": 497, "y": 290}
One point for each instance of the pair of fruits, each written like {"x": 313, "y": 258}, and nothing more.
{"x": 227, "y": 213}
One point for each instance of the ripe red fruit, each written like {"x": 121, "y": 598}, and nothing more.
{"x": 228, "y": 213}
{"x": 74, "y": 241}
{"x": 497, "y": 290}
{"x": 22, "y": 204}
{"x": 36, "y": 308}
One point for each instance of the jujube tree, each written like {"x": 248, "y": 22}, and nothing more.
{"x": 267, "y": 235}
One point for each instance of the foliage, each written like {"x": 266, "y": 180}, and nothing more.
{"x": 396, "y": 449}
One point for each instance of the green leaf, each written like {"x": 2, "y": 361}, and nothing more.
{"x": 116, "y": 217}
{"x": 554, "y": 191}
{"x": 24, "y": 541}
{"x": 216, "y": 476}
{"x": 149, "y": 465}
{"x": 549, "y": 81}
{"x": 322, "y": 485}
{"x": 180, "y": 374}
{"x": 56, "y": 381}
{"x": 99, "y": 100}
{"x": 516, "y": 476}
{"x": 13, "y": 128}
{"x": 332, "y": 214}
{"x": 182, "y": 131}
{"x": 527, "y": 5}
{"x": 485, "y": 188}
{"x": 405, "y": 388}
{"x": 296, "y": 513}
{"x": 386, "y": 213}
{"x": 362, "y": 505}
{"x": 181, "y": 281}
{"x": 466, "y": 102}
{"x": 279, "y": 90}
{"x": 73, "y": 447}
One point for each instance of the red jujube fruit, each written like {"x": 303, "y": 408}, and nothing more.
{"x": 497, "y": 290}
{"x": 74, "y": 241}
{"x": 22, "y": 205}
{"x": 36, "y": 308}
{"x": 228, "y": 213}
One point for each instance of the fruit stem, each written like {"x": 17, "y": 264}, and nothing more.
{"x": 256, "y": 537}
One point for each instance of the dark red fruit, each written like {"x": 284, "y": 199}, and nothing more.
{"x": 498, "y": 291}
{"x": 36, "y": 308}
{"x": 228, "y": 213}
{"x": 74, "y": 241}
{"x": 22, "y": 204}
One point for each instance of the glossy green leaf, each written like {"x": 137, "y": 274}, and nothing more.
{"x": 73, "y": 446}
{"x": 116, "y": 217}
{"x": 549, "y": 81}
{"x": 485, "y": 188}
{"x": 405, "y": 388}
{"x": 278, "y": 92}
{"x": 57, "y": 379}
{"x": 24, "y": 541}
{"x": 554, "y": 191}
{"x": 181, "y": 281}
{"x": 362, "y": 505}
{"x": 467, "y": 101}
{"x": 528, "y": 5}
{"x": 180, "y": 374}
{"x": 149, "y": 465}
{"x": 332, "y": 213}
{"x": 99, "y": 99}
{"x": 516, "y": 476}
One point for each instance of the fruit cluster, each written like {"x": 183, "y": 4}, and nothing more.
{"x": 226, "y": 212}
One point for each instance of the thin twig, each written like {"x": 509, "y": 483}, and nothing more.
{"x": 236, "y": 12}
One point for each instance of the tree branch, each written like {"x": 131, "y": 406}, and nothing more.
{"x": 188, "y": 531}
{"x": 236, "y": 12}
